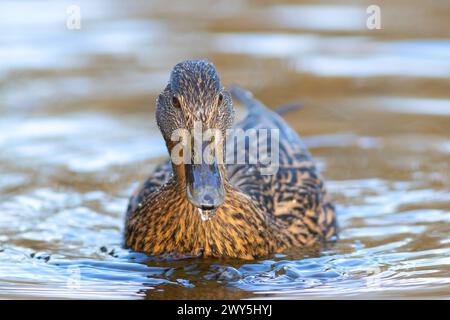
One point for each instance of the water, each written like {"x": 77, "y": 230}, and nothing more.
{"x": 78, "y": 134}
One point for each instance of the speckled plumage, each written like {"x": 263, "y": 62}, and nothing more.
{"x": 261, "y": 214}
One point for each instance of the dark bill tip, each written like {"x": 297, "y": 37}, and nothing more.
{"x": 204, "y": 185}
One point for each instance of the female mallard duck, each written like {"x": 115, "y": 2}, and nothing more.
{"x": 254, "y": 214}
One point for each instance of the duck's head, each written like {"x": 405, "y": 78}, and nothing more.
{"x": 195, "y": 100}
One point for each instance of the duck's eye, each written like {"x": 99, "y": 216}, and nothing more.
{"x": 220, "y": 99}
{"x": 176, "y": 102}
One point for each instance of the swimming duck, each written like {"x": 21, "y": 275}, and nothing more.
{"x": 255, "y": 213}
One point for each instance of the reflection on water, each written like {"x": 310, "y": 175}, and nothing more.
{"x": 78, "y": 134}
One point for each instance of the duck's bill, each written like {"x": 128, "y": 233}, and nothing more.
{"x": 204, "y": 185}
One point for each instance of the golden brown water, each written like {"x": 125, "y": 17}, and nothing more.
{"x": 77, "y": 133}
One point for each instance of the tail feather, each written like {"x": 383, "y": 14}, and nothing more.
{"x": 255, "y": 106}
{"x": 286, "y": 108}
{"x": 247, "y": 99}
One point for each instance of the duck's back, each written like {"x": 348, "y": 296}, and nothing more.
{"x": 288, "y": 187}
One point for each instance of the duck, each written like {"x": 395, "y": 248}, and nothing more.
{"x": 226, "y": 209}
